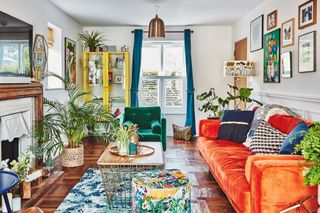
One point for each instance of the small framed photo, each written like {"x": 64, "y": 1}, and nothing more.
{"x": 119, "y": 79}
{"x": 307, "y": 52}
{"x": 287, "y": 33}
{"x": 286, "y": 65}
{"x": 256, "y": 34}
{"x": 272, "y": 20}
{"x": 307, "y": 14}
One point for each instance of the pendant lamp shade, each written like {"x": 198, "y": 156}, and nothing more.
{"x": 156, "y": 28}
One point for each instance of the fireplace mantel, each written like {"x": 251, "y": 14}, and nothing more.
{"x": 15, "y": 91}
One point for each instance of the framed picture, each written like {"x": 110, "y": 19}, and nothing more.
{"x": 287, "y": 33}
{"x": 119, "y": 79}
{"x": 307, "y": 14}
{"x": 286, "y": 65}
{"x": 271, "y": 62}
{"x": 256, "y": 34}
{"x": 40, "y": 57}
{"x": 307, "y": 52}
{"x": 70, "y": 60}
{"x": 272, "y": 20}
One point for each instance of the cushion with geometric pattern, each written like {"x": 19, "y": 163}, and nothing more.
{"x": 266, "y": 140}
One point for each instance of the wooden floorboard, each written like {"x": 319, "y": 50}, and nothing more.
{"x": 207, "y": 196}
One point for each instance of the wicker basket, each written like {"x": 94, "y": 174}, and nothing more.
{"x": 72, "y": 157}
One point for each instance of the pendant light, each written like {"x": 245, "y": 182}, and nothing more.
{"x": 156, "y": 26}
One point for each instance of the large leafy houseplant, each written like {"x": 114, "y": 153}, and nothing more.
{"x": 310, "y": 149}
{"x": 91, "y": 40}
{"x": 241, "y": 95}
{"x": 70, "y": 120}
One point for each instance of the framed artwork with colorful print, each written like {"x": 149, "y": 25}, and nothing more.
{"x": 271, "y": 56}
{"x": 70, "y": 61}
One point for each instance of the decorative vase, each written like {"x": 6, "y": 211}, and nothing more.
{"x": 123, "y": 147}
{"x": 25, "y": 190}
{"x": 16, "y": 203}
{"x": 72, "y": 157}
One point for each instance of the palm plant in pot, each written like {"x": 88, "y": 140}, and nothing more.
{"x": 310, "y": 149}
{"x": 91, "y": 40}
{"x": 64, "y": 125}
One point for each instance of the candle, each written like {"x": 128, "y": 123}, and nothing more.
{"x": 16, "y": 204}
{"x": 4, "y": 207}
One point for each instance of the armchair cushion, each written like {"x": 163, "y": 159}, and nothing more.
{"x": 156, "y": 127}
{"x": 148, "y": 135}
{"x": 127, "y": 123}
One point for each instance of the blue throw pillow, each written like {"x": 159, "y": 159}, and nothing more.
{"x": 294, "y": 138}
{"x": 235, "y": 125}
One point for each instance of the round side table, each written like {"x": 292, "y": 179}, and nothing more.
{"x": 8, "y": 180}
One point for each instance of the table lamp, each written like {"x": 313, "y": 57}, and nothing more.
{"x": 240, "y": 70}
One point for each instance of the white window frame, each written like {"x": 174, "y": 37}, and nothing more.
{"x": 161, "y": 79}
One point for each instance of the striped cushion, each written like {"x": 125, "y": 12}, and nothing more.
{"x": 266, "y": 140}
{"x": 235, "y": 125}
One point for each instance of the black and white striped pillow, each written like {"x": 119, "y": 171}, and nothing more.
{"x": 266, "y": 140}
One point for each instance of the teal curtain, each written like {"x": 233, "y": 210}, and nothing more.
{"x": 136, "y": 66}
{"x": 190, "y": 114}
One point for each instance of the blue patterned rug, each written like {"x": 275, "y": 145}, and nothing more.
{"x": 86, "y": 196}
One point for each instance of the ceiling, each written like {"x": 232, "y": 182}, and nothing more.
{"x": 139, "y": 12}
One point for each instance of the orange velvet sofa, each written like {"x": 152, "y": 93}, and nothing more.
{"x": 254, "y": 183}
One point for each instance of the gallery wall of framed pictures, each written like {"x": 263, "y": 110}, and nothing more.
{"x": 278, "y": 44}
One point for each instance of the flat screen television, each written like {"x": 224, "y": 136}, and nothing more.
{"x": 15, "y": 50}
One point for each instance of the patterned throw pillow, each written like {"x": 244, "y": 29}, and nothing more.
{"x": 266, "y": 140}
{"x": 182, "y": 133}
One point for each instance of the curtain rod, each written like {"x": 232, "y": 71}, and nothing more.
{"x": 170, "y": 31}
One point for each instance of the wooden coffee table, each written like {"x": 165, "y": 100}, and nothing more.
{"x": 117, "y": 173}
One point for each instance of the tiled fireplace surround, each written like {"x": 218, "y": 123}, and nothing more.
{"x": 20, "y": 106}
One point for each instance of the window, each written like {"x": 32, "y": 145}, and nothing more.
{"x": 163, "y": 76}
{"x": 55, "y": 56}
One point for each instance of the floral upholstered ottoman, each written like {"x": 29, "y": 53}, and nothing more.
{"x": 161, "y": 191}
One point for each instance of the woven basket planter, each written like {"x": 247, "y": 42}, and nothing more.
{"x": 72, "y": 157}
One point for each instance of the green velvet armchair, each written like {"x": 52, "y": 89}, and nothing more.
{"x": 150, "y": 121}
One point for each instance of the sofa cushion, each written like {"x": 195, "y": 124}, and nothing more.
{"x": 147, "y": 135}
{"x": 142, "y": 115}
{"x": 235, "y": 125}
{"x": 267, "y": 140}
{"x": 294, "y": 138}
{"x": 226, "y": 160}
{"x": 284, "y": 123}
{"x": 156, "y": 127}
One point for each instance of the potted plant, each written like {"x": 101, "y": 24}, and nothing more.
{"x": 38, "y": 152}
{"x": 310, "y": 149}
{"x": 241, "y": 95}
{"x": 122, "y": 135}
{"x": 63, "y": 127}
{"x": 91, "y": 40}
{"x": 212, "y": 103}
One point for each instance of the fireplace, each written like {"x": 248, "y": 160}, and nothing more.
{"x": 20, "y": 106}
{"x": 10, "y": 149}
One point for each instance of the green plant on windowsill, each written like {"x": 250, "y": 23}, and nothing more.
{"x": 310, "y": 149}
{"x": 91, "y": 40}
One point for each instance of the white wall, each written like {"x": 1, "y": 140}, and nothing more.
{"x": 38, "y": 13}
{"x": 300, "y": 92}
{"x": 211, "y": 45}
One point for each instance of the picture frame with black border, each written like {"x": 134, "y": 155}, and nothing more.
{"x": 256, "y": 33}
{"x": 307, "y": 52}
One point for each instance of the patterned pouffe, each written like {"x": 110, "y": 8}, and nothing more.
{"x": 161, "y": 191}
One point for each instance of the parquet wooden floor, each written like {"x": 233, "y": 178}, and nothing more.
{"x": 206, "y": 193}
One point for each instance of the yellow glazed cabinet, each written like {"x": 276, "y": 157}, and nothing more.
{"x": 106, "y": 78}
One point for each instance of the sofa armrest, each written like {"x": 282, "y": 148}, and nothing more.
{"x": 277, "y": 183}
{"x": 163, "y": 132}
{"x": 209, "y": 128}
